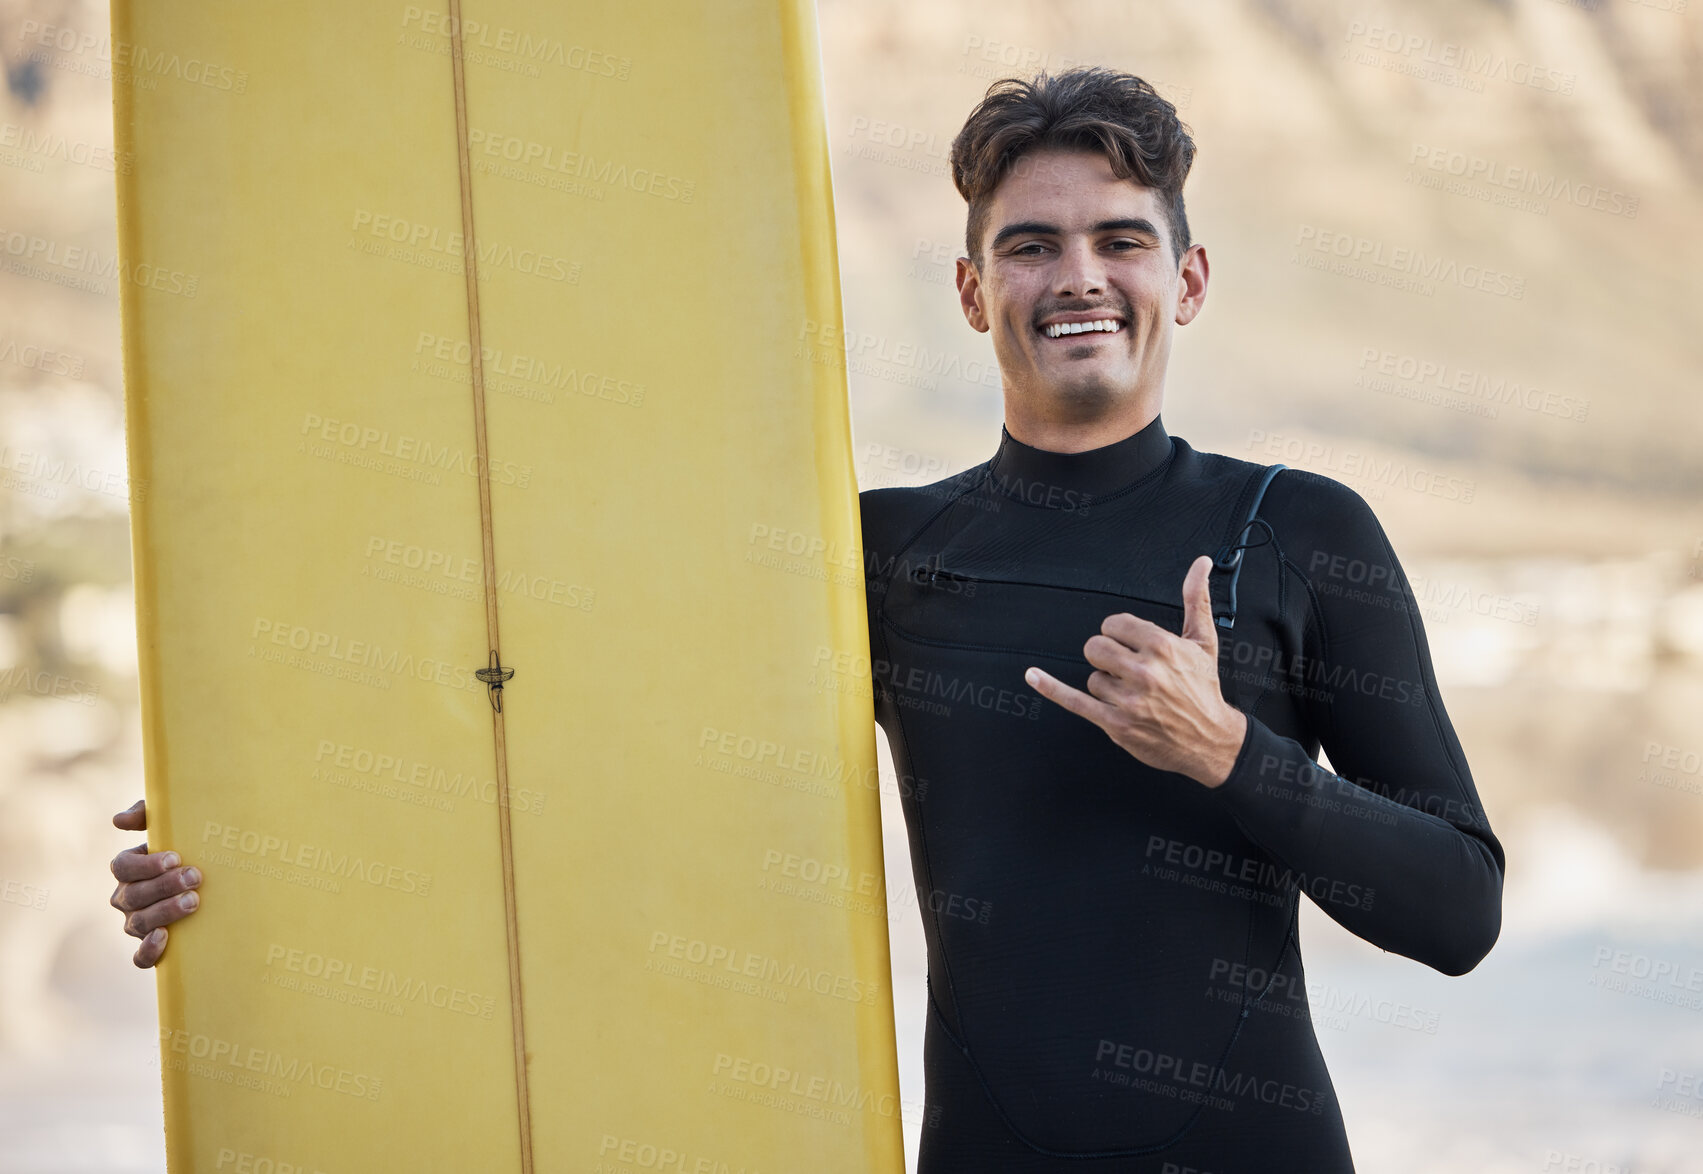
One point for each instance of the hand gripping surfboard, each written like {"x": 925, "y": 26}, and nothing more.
{"x": 499, "y": 589}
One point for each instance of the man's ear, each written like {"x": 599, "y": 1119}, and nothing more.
{"x": 1192, "y": 277}
{"x": 970, "y": 295}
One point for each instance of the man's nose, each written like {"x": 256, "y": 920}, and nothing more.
{"x": 1081, "y": 271}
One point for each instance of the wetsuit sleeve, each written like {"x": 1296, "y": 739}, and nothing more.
{"x": 1394, "y": 846}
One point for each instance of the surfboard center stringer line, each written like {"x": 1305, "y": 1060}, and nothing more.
{"x": 494, "y": 674}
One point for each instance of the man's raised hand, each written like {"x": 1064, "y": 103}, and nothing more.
{"x": 1156, "y": 693}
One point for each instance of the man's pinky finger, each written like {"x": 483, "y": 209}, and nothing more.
{"x": 151, "y": 948}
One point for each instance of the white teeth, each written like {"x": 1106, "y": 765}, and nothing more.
{"x": 1110, "y": 325}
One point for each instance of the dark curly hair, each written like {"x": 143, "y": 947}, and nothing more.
{"x": 1093, "y": 108}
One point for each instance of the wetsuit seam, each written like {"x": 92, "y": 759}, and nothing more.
{"x": 928, "y": 869}
{"x": 914, "y": 638}
{"x": 972, "y": 483}
{"x": 1067, "y": 587}
{"x": 1289, "y": 936}
{"x": 1316, "y": 628}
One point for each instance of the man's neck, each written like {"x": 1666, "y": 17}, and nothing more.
{"x": 1044, "y": 431}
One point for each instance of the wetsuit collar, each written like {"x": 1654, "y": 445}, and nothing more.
{"x": 1066, "y": 480}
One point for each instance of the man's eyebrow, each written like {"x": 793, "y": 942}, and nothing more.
{"x": 1038, "y": 228}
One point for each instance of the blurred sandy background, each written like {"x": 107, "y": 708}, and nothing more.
{"x": 1526, "y": 421}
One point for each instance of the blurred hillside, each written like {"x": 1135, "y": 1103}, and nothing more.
{"x": 1310, "y": 124}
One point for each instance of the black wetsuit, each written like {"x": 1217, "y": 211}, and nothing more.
{"x": 1114, "y": 977}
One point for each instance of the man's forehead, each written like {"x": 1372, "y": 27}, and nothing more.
{"x": 1075, "y": 184}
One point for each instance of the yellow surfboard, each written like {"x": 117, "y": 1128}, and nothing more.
{"x": 491, "y": 526}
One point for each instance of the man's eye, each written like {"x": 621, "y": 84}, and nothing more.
{"x": 1031, "y": 245}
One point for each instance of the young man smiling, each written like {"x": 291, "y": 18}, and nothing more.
{"x": 1115, "y": 658}
{"x": 1199, "y": 626}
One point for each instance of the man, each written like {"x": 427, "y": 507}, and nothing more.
{"x": 1114, "y": 658}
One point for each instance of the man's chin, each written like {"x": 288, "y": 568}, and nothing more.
{"x": 1085, "y": 394}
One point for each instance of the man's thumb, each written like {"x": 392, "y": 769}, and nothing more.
{"x": 1197, "y": 606}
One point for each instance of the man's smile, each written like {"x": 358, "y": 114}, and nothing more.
{"x": 1071, "y": 329}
